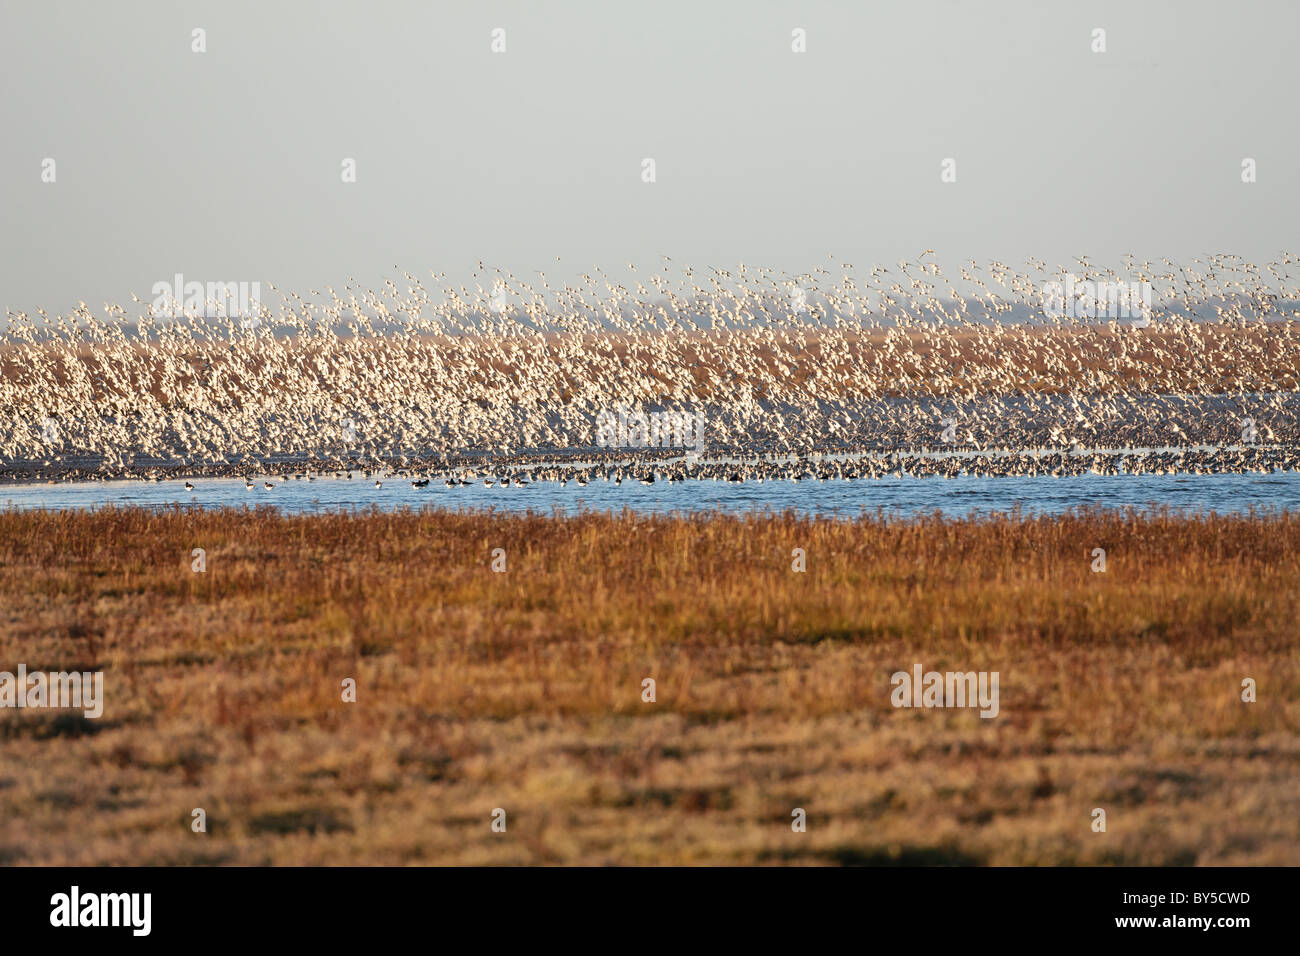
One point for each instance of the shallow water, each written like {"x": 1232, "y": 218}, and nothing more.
{"x": 1223, "y": 493}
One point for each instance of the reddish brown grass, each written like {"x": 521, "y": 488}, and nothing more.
{"x": 522, "y": 690}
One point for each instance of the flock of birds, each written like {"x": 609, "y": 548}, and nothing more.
{"x": 835, "y": 374}
{"x": 821, "y": 469}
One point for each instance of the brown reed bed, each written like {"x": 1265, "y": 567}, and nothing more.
{"x": 522, "y": 690}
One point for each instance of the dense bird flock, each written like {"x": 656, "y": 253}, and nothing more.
{"x": 842, "y": 372}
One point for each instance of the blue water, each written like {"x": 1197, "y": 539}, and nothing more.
{"x": 1224, "y": 493}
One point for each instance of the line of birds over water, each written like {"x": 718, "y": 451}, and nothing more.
{"x": 892, "y": 368}
{"x": 1240, "y": 460}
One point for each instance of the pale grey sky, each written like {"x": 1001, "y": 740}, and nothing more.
{"x": 226, "y": 165}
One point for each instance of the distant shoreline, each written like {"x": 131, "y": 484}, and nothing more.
{"x": 593, "y": 464}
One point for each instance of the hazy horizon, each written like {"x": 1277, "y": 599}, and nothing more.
{"x": 226, "y": 165}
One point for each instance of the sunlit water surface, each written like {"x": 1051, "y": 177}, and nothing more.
{"x": 1225, "y": 493}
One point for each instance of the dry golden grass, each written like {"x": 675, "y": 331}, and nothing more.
{"x": 522, "y": 690}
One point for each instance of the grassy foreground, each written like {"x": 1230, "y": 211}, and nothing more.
{"x": 522, "y": 690}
